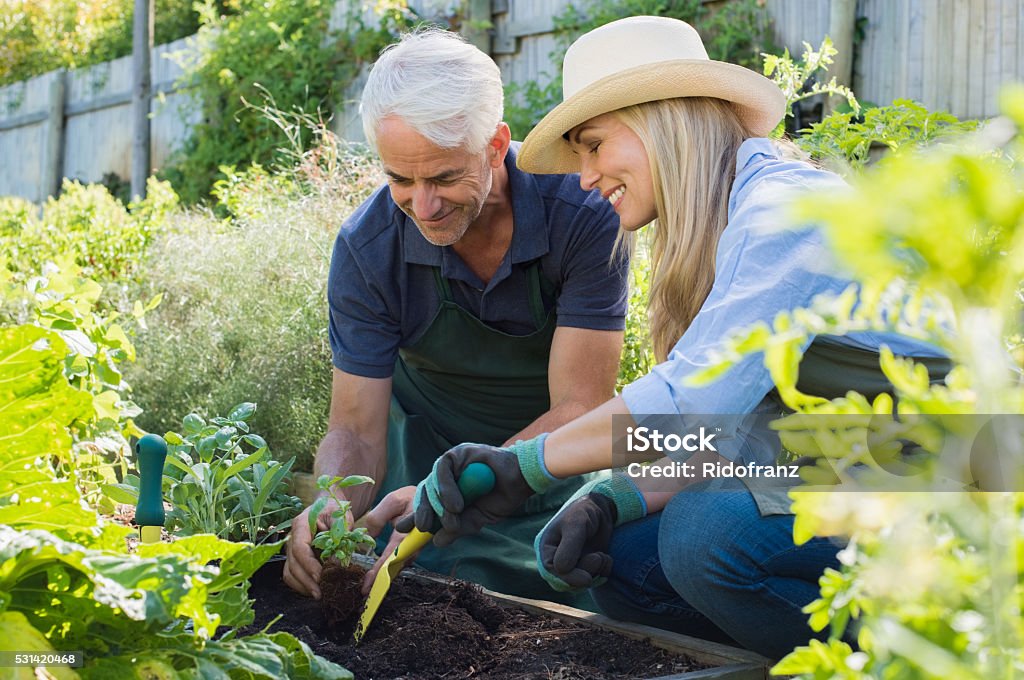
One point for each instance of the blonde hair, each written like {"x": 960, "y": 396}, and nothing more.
{"x": 691, "y": 143}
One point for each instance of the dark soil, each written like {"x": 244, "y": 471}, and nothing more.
{"x": 452, "y": 630}
{"x": 342, "y": 599}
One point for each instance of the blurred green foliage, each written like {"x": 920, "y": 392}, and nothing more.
{"x": 37, "y": 36}
{"x": 637, "y": 358}
{"x": 107, "y": 239}
{"x": 844, "y": 140}
{"x": 931, "y": 583}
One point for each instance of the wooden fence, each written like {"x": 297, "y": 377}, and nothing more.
{"x": 78, "y": 124}
{"x": 948, "y": 54}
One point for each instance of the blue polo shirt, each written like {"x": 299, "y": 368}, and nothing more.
{"x": 381, "y": 288}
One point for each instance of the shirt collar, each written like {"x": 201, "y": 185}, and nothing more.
{"x": 751, "y": 148}
{"x": 530, "y": 231}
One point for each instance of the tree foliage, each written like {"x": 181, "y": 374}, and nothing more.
{"x": 37, "y": 36}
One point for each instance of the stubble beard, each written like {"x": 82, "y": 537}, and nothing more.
{"x": 469, "y": 215}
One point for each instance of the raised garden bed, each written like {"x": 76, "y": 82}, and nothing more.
{"x": 431, "y": 627}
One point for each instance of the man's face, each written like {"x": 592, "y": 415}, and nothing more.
{"x": 442, "y": 190}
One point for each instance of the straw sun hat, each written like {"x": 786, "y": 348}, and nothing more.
{"x": 636, "y": 60}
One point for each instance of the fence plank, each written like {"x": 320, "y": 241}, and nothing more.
{"x": 975, "y": 35}
{"x": 928, "y": 65}
{"x": 54, "y": 155}
{"x": 1008, "y": 47}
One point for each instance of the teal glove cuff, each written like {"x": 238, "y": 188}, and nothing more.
{"x": 531, "y": 463}
{"x": 629, "y": 502}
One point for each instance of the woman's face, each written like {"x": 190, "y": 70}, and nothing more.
{"x": 613, "y": 160}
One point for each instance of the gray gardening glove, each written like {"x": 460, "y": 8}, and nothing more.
{"x": 518, "y": 471}
{"x": 572, "y": 548}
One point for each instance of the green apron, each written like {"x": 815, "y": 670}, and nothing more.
{"x": 463, "y": 381}
{"x": 830, "y": 369}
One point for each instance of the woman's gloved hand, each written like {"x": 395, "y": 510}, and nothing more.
{"x": 519, "y": 473}
{"x": 572, "y": 548}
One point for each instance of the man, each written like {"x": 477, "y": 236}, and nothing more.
{"x": 469, "y": 301}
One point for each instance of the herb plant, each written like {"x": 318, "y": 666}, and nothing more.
{"x": 340, "y": 541}
{"x": 224, "y": 481}
{"x": 220, "y": 479}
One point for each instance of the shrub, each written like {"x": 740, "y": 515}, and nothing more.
{"x": 930, "y": 582}
{"x": 245, "y": 314}
{"x": 276, "y": 49}
{"x": 86, "y": 224}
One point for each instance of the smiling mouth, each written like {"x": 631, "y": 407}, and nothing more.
{"x": 438, "y": 220}
{"x": 615, "y": 196}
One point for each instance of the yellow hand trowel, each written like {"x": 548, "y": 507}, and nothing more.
{"x": 476, "y": 480}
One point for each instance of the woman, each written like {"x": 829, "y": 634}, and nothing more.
{"x": 671, "y": 137}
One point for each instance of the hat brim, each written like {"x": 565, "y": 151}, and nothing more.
{"x": 759, "y": 103}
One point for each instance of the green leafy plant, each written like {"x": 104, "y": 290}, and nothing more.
{"x": 62, "y": 299}
{"x": 339, "y": 542}
{"x": 637, "y": 358}
{"x": 67, "y": 581}
{"x": 799, "y": 80}
{"x": 930, "y": 584}
{"x": 220, "y": 479}
{"x": 844, "y": 141}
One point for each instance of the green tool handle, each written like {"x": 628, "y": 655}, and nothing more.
{"x": 150, "y": 452}
{"x": 475, "y": 481}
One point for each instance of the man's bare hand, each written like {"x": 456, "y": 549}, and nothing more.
{"x": 302, "y": 567}
{"x": 395, "y": 505}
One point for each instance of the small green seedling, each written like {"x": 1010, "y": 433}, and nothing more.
{"x": 340, "y": 541}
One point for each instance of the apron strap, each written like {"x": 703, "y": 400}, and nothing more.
{"x": 534, "y": 295}
{"x": 536, "y": 299}
{"x": 444, "y": 290}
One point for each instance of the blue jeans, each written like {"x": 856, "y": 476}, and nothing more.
{"x": 709, "y": 565}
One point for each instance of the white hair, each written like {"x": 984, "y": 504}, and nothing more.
{"x": 439, "y": 85}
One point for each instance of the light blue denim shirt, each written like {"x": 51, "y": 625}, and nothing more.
{"x": 761, "y": 269}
